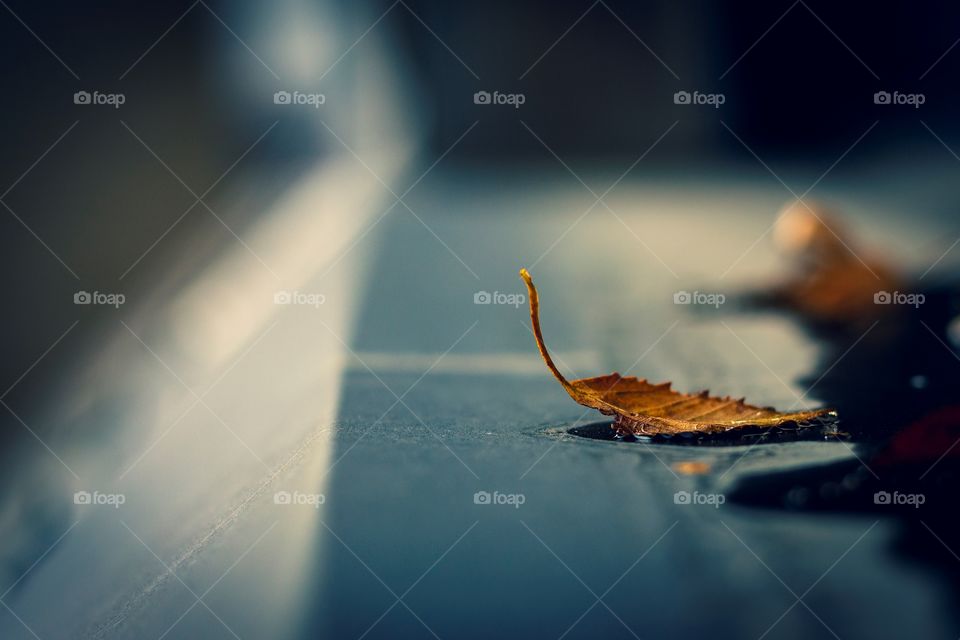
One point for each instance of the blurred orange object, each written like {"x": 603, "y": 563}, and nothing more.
{"x": 835, "y": 280}
{"x": 692, "y": 467}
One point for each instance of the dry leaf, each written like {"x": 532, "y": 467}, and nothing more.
{"x": 835, "y": 279}
{"x": 642, "y": 408}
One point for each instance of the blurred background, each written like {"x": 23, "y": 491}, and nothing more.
{"x": 392, "y": 159}
{"x": 87, "y": 192}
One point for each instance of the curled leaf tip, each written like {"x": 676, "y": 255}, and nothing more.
{"x": 538, "y": 334}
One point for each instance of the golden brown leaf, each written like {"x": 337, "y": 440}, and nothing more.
{"x": 642, "y": 408}
{"x": 835, "y": 279}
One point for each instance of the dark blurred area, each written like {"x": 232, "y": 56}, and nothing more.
{"x": 598, "y": 79}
